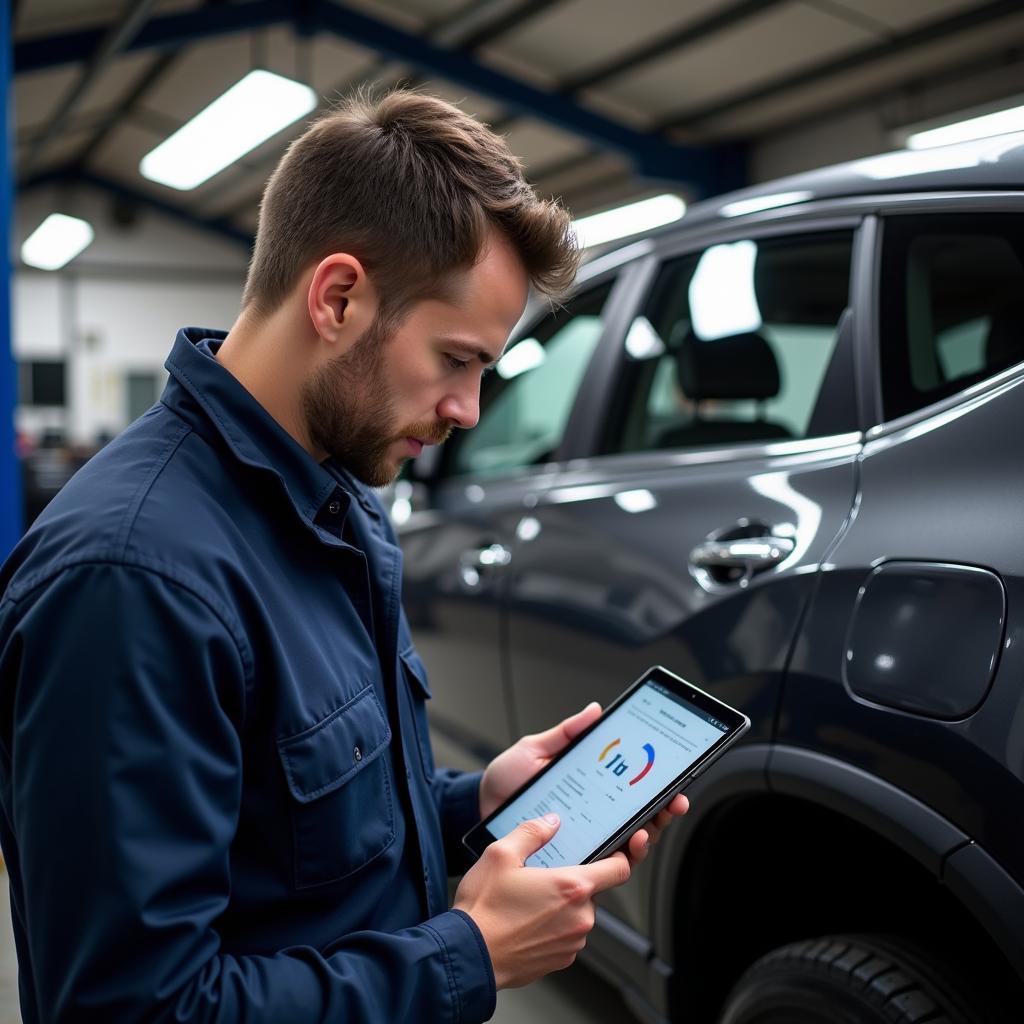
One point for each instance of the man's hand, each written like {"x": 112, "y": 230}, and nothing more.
{"x": 533, "y": 920}
{"x": 509, "y": 770}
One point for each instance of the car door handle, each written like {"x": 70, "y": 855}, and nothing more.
{"x": 474, "y": 560}
{"x": 751, "y": 554}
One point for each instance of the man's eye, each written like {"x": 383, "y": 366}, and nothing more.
{"x": 457, "y": 364}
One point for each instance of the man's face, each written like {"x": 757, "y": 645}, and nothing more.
{"x": 379, "y": 403}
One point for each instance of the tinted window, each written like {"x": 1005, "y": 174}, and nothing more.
{"x": 733, "y": 345}
{"x": 525, "y": 403}
{"x": 952, "y": 304}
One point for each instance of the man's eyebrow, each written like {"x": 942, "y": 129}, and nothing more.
{"x": 469, "y": 348}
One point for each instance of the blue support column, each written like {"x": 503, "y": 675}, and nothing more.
{"x": 10, "y": 471}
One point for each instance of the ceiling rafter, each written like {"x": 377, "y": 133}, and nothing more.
{"x": 652, "y": 154}
{"x": 115, "y": 39}
{"x": 930, "y": 33}
{"x": 69, "y": 173}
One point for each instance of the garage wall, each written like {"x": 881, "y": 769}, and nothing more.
{"x": 115, "y": 311}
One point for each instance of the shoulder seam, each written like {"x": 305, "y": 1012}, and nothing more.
{"x": 170, "y": 575}
{"x": 159, "y": 465}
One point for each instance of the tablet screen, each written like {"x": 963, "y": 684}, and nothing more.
{"x": 634, "y": 753}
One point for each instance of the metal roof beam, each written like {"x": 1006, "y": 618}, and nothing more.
{"x": 166, "y": 32}
{"x": 117, "y": 36}
{"x": 930, "y": 33}
{"x": 653, "y": 155}
{"x": 69, "y": 173}
{"x": 695, "y": 32}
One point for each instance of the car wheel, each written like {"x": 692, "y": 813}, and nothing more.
{"x": 849, "y": 979}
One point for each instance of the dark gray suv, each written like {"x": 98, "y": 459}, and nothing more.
{"x": 778, "y": 448}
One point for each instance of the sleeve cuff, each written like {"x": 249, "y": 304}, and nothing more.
{"x": 460, "y": 811}
{"x": 469, "y": 966}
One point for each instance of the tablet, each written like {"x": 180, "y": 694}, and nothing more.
{"x": 616, "y": 775}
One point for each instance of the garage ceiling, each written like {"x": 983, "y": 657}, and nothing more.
{"x": 601, "y": 99}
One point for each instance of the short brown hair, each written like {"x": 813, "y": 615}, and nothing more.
{"x": 409, "y": 185}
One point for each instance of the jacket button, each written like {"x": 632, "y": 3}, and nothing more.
{"x": 334, "y": 508}
{"x": 357, "y": 754}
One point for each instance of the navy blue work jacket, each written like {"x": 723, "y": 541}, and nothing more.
{"x": 219, "y": 801}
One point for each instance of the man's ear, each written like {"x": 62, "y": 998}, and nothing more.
{"x": 341, "y": 300}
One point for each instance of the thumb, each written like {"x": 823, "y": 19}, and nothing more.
{"x": 549, "y": 743}
{"x": 529, "y": 836}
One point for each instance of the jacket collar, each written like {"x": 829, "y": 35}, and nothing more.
{"x": 208, "y": 397}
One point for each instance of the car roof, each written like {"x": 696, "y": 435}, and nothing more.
{"x": 992, "y": 164}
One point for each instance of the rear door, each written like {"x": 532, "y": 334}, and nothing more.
{"x": 910, "y": 659}
{"x": 722, "y": 469}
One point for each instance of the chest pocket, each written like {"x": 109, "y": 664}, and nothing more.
{"x": 342, "y": 812}
{"x": 419, "y": 691}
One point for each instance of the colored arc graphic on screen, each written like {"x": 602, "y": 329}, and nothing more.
{"x": 614, "y": 743}
{"x": 649, "y": 750}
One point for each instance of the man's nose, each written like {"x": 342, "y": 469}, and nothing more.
{"x": 461, "y": 407}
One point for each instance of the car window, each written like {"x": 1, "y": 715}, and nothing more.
{"x": 733, "y": 344}
{"x": 952, "y": 305}
{"x": 526, "y": 401}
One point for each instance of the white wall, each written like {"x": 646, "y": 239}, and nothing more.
{"x": 116, "y": 308}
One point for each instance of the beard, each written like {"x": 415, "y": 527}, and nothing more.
{"x": 350, "y": 411}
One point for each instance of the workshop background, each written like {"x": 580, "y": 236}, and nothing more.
{"x": 607, "y": 104}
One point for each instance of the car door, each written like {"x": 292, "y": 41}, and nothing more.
{"x": 910, "y": 659}
{"x": 721, "y": 470}
{"x": 457, "y": 520}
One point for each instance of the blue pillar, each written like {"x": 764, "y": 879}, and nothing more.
{"x": 10, "y": 472}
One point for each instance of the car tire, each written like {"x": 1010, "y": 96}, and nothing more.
{"x": 850, "y": 979}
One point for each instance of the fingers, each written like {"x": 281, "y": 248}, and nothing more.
{"x": 607, "y": 873}
{"x": 557, "y": 737}
{"x": 527, "y": 838}
{"x": 639, "y": 847}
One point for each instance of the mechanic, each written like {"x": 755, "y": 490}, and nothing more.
{"x": 219, "y": 798}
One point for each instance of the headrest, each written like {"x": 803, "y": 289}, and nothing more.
{"x": 1004, "y": 345}
{"x": 741, "y": 366}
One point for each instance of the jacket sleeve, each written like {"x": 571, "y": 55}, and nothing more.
{"x": 457, "y": 795}
{"x": 121, "y": 781}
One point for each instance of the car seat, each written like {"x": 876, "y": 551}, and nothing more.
{"x": 741, "y": 367}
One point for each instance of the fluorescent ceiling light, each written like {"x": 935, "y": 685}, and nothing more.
{"x": 628, "y": 220}
{"x": 527, "y": 355}
{"x": 906, "y": 162}
{"x": 1001, "y": 122}
{"x": 250, "y": 112}
{"x": 56, "y": 241}
{"x": 758, "y": 203}
{"x": 722, "y": 297}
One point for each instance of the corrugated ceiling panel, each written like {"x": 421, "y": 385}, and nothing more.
{"x": 539, "y": 145}
{"x": 409, "y": 16}
{"x": 416, "y": 11}
{"x": 796, "y": 105}
{"x": 582, "y": 34}
{"x": 43, "y": 17}
{"x": 199, "y": 76}
{"x": 37, "y": 94}
{"x": 116, "y": 80}
{"x": 779, "y": 41}
{"x": 905, "y": 14}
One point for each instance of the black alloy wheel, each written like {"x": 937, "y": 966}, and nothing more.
{"x": 851, "y": 979}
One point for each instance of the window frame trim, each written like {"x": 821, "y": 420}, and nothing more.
{"x": 933, "y": 204}
{"x": 675, "y": 248}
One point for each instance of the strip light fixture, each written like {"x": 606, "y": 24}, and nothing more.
{"x": 628, "y": 220}
{"x": 256, "y": 107}
{"x": 58, "y": 240}
{"x": 999, "y": 122}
